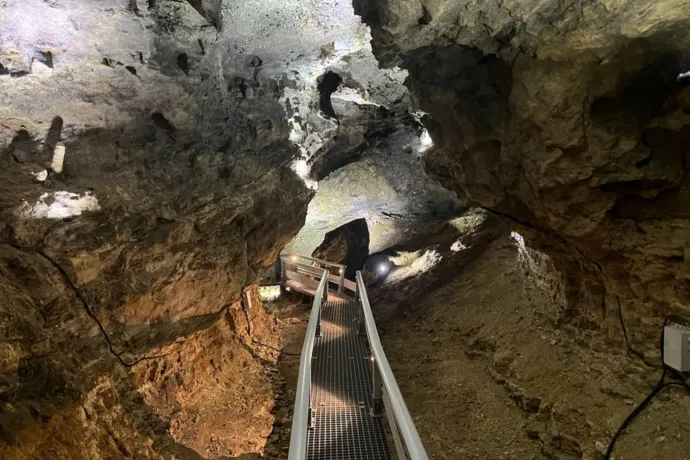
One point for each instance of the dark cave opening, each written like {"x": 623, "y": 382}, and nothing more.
{"x": 328, "y": 84}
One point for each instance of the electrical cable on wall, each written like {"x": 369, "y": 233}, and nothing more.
{"x": 256, "y": 342}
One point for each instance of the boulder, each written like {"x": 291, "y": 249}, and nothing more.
{"x": 348, "y": 245}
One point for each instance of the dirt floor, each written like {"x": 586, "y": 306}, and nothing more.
{"x": 490, "y": 370}
{"x": 493, "y": 366}
{"x": 292, "y": 314}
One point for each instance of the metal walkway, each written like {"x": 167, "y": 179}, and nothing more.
{"x": 346, "y": 389}
{"x": 344, "y": 427}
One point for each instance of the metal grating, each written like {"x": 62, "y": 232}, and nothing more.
{"x": 344, "y": 428}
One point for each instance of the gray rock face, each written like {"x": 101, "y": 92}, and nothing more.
{"x": 361, "y": 149}
{"x": 387, "y": 188}
{"x": 568, "y": 119}
{"x": 347, "y": 245}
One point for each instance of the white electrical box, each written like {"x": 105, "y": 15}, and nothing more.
{"x": 677, "y": 347}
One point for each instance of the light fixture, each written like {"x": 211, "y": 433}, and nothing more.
{"x": 295, "y": 258}
{"x": 383, "y": 268}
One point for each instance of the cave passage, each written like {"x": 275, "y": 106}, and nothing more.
{"x": 498, "y": 191}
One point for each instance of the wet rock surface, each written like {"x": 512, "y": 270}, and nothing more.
{"x": 567, "y": 119}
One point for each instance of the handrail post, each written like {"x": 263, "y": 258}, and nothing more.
{"x": 377, "y": 389}
{"x": 310, "y": 422}
{"x": 361, "y": 326}
{"x": 318, "y": 324}
{"x": 341, "y": 284}
{"x": 360, "y": 314}
{"x": 282, "y": 279}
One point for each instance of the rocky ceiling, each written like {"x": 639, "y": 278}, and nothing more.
{"x": 571, "y": 120}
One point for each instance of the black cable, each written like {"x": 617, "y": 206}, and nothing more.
{"x": 627, "y": 340}
{"x": 660, "y": 386}
{"x": 88, "y": 310}
{"x": 655, "y": 392}
{"x": 256, "y": 342}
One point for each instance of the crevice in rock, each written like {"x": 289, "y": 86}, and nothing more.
{"x": 46, "y": 57}
{"x": 20, "y": 73}
{"x": 328, "y": 84}
{"x": 131, "y": 69}
{"x": 211, "y": 10}
{"x": 425, "y": 19}
{"x": 112, "y": 63}
{"x": 643, "y": 94}
{"x": 23, "y": 146}
{"x": 162, "y": 122}
{"x": 183, "y": 62}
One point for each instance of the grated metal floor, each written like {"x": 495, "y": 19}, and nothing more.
{"x": 341, "y": 392}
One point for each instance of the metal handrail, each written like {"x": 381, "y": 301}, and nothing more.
{"x": 302, "y": 414}
{"x": 308, "y": 269}
{"x": 399, "y": 410}
{"x": 295, "y": 259}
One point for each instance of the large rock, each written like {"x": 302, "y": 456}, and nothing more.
{"x": 347, "y": 245}
{"x": 569, "y": 120}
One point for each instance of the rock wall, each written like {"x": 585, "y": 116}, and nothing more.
{"x": 570, "y": 120}
{"x": 497, "y": 375}
{"x": 121, "y": 272}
